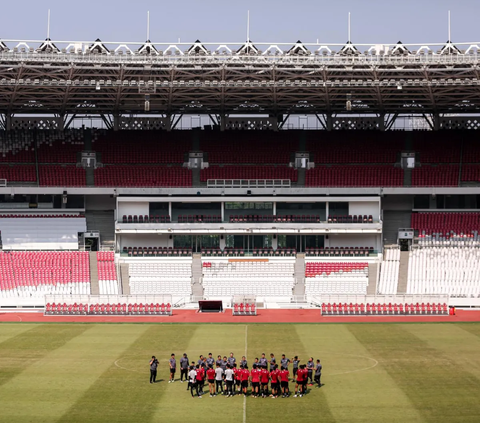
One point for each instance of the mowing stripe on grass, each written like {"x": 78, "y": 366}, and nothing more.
{"x": 473, "y": 329}
{"x": 59, "y": 378}
{"x": 8, "y": 331}
{"x": 423, "y": 372}
{"x": 18, "y": 353}
{"x": 118, "y": 395}
{"x": 356, "y": 388}
{"x": 285, "y": 340}
{"x": 176, "y": 402}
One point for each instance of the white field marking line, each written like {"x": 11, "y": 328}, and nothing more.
{"x": 124, "y": 368}
{"x": 357, "y": 370}
{"x": 19, "y": 318}
{"x": 245, "y": 398}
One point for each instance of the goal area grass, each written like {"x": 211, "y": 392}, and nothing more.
{"x": 392, "y": 372}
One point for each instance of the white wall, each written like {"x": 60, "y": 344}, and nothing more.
{"x": 100, "y": 202}
{"x": 127, "y": 208}
{"x": 364, "y": 208}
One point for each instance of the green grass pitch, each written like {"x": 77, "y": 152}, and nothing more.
{"x": 372, "y": 372}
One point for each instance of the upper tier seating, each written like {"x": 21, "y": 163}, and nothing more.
{"x": 134, "y": 147}
{"x": 336, "y": 278}
{"x": 18, "y": 173}
{"x": 436, "y": 176}
{"x": 37, "y": 233}
{"x": 355, "y": 147}
{"x": 161, "y": 278}
{"x": 249, "y": 172}
{"x": 35, "y": 274}
{"x": 445, "y": 223}
{"x": 471, "y": 173}
{"x": 256, "y": 278}
{"x": 255, "y": 147}
{"x": 354, "y": 176}
{"x": 438, "y": 146}
{"x": 451, "y": 270}
{"x": 388, "y": 282}
{"x": 143, "y": 176}
{"x": 107, "y": 273}
{"x": 61, "y": 176}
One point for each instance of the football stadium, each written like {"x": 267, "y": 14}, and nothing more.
{"x": 315, "y": 203}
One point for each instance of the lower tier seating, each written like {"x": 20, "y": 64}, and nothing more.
{"x": 161, "y": 278}
{"x": 107, "y": 273}
{"x": 36, "y": 274}
{"x": 451, "y": 270}
{"x": 339, "y": 252}
{"x": 388, "y": 282}
{"x": 336, "y": 278}
{"x": 436, "y": 176}
{"x": 256, "y": 278}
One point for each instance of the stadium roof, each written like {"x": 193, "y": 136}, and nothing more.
{"x": 63, "y": 77}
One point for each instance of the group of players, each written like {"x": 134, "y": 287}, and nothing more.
{"x": 226, "y": 376}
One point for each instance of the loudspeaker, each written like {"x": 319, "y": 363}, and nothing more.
{"x": 249, "y": 192}
{"x": 221, "y": 236}
{"x": 170, "y": 237}
{"x": 274, "y": 236}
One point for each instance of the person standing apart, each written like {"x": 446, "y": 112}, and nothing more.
{"x": 184, "y": 367}
{"x": 173, "y": 368}
{"x": 318, "y": 373}
{"x": 153, "y": 369}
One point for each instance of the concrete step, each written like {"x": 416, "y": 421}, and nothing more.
{"x": 403, "y": 273}
{"x": 197, "y": 273}
{"x": 299, "y": 274}
{"x": 372, "y": 278}
{"x": 94, "y": 286}
{"x": 125, "y": 278}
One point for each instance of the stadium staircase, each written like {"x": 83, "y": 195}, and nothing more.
{"x": 372, "y": 278}
{"x": 392, "y": 221}
{"x": 299, "y": 269}
{"x": 104, "y": 222}
{"x": 197, "y": 273}
{"x": 403, "y": 272}
{"x": 125, "y": 279}
{"x": 94, "y": 285}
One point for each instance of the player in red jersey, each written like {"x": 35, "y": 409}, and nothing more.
{"x": 303, "y": 386}
{"x": 245, "y": 374}
{"x": 299, "y": 381}
{"x": 284, "y": 375}
{"x": 274, "y": 376}
{"x": 255, "y": 379}
{"x": 201, "y": 378}
{"x": 211, "y": 380}
{"x": 264, "y": 379}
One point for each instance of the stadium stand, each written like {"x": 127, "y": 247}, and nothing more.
{"x": 36, "y": 274}
{"x": 336, "y": 278}
{"x": 107, "y": 273}
{"x": 142, "y": 176}
{"x": 260, "y": 278}
{"x": 448, "y": 267}
{"x": 23, "y": 232}
{"x": 161, "y": 277}
{"x": 249, "y": 172}
{"x": 388, "y": 282}
{"x": 447, "y": 224}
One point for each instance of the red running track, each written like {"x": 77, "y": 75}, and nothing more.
{"x": 264, "y": 316}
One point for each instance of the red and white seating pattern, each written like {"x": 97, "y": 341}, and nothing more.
{"x": 107, "y": 273}
{"x": 445, "y": 224}
{"x": 36, "y": 274}
{"x": 244, "y": 309}
{"x": 119, "y": 309}
{"x": 336, "y": 278}
{"x": 223, "y": 279}
{"x": 249, "y": 172}
{"x": 335, "y": 309}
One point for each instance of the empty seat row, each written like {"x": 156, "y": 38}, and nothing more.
{"x": 199, "y": 218}
{"x": 350, "y": 219}
{"x": 108, "y": 309}
{"x": 385, "y": 309}
{"x": 339, "y": 251}
{"x": 244, "y": 309}
{"x": 40, "y": 216}
{"x": 157, "y": 252}
{"x": 145, "y": 219}
{"x": 275, "y": 218}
